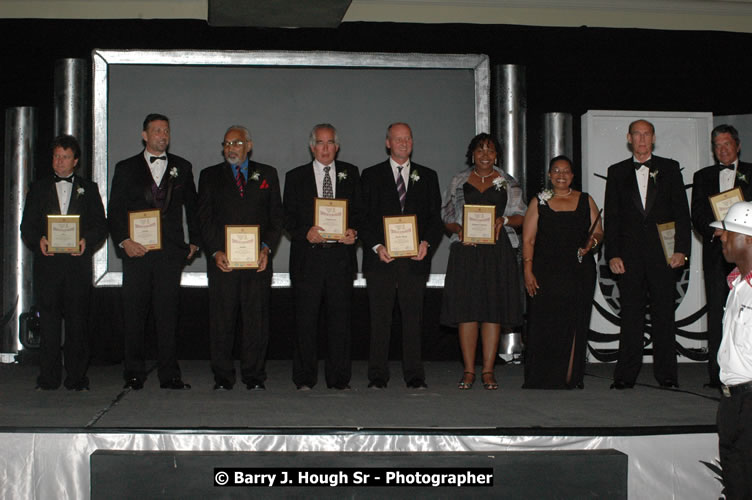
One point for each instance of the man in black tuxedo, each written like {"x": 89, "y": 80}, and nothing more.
{"x": 641, "y": 192}
{"x": 62, "y": 282}
{"x": 239, "y": 191}
{"x": 727, "y": 174}
{"x": 153, "y": 179}
{"x": 321, "y": 269}
{"x": 392, "y": 188}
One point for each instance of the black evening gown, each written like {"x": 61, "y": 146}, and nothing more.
{"x": 482, "y": 282}
{"x": 559, "y": 314}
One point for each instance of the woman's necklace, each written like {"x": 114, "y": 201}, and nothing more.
{"x": 482, "y": 177}
{"x": 563, "y": 195}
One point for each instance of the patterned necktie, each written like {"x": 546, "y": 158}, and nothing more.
{"x": 327, "y": 187}
{"x": 240, "y": 180}
{"x": 401, "y": 190}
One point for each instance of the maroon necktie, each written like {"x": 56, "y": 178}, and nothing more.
{"x": 240, "y": 180}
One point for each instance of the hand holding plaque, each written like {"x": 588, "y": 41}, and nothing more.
{"x": 401, "y": 235}
{"x": 63, "y": 234}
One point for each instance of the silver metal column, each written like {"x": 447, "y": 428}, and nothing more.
{"x": 557, "y": 139}
{"x": 510, "y": 119}
{"x": 20, "y": 141}
{"x": 71, "y": 106}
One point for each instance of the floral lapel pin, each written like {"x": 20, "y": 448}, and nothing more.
{"x": 255, "y": 175}
{"x": 80, "y": 191}
{"x": 500, "y": 183}
{"x": 742, "y": 177}
{"x": 414, "y": 177}
{"x": 654, "y": 176}
{"x": 174, "y": 172}
{"x": 545, "y": 195}
{"x": 341, "y": 176}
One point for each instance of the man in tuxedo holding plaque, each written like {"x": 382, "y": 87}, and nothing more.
{"x": 727, "y": 174}
{"x": 322, "y": 269}
{"x": 642, "y": 192}
{"x": 398, "y": 187}
{"x": 242, "y": 192}
{"x": 62, "y": 281}
{"x": 153, "y": 180}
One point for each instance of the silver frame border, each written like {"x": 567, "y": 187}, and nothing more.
{"x": 101, "y": 59}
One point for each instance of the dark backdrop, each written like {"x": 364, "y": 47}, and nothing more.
{"x": 567, "y": 69}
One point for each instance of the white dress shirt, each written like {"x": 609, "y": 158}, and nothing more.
{"x": 64, "y": 190}
{"x": 727, "y": 176}
{"x": 318, "y": 173}
{"x": 157, "y": 168}
{"x": 735, "y": 353}
{"x": 405, "y": 171}
{"x": 643, "y": 175}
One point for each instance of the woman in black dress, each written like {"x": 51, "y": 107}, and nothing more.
{"x": 481, "y": 288}
{"x": 560, "y": 279}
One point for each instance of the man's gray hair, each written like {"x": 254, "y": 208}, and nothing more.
{"x": 316, "y": 128}
{"x": 242, "y": 128}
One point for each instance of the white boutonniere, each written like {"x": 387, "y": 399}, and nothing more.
{"x": 341, "y": 176}
{"x": 654, "y": 176}
{"x": 545, "y": 195}
{"x": 414, "y": 177}
{"x": 255, "y": 175}
{"x": 174, "y": 172}
{"x": 500, "y": 183}
{"x": 80, "y": 191}
{"x": 741, "y": 177}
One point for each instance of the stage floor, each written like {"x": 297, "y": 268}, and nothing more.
{"x": 442, "y": 408}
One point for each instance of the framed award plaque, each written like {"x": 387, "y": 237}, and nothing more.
{"x": 478, "y": 222}
{"x": 63, "y": 233}
{"x": 145, "y": 227}
{"x": 242, "y": 246}
{"x": 331, "y": 215}
{"x": 666, "y": 232}
{"x": 401, "y": 235}
{"x": 721, "y": 202}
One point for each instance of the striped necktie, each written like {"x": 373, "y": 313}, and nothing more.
{"x": 401, "y": 190}
{"x": 240, "y": 180}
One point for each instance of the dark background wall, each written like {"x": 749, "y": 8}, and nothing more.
{"x": 567, "y": 69}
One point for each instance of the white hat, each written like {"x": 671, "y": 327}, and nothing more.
{"x": 738, "y": 219}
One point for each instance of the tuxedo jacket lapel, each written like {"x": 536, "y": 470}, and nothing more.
{"x": 74, "y": 206}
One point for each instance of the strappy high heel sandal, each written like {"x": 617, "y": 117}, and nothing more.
{"x": 466, "y": 382}
{"x": 489, "y": 381}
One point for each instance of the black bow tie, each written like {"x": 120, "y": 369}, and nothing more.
{"x": 64, "y": 179}
{"x": 722, "y": 166}
{"x": 638, "y": 165}
{"x": 155, "y": 158}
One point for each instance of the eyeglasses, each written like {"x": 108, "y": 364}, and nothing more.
{"x": 230, "y": 144}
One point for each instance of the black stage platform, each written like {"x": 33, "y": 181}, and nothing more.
{"x": 63, "y": 440}
{"x": 107, "y": 406}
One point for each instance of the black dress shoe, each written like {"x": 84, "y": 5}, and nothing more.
{"x": 222, "y": 385}
{"x": 255, "y": 385}
{"x": 134, "y": 383}
{"x": 175, "y": 383}
{"x": 80, "y": 387}
{"x": 377, "y": 384}
{"x": 416, "y": 383}
{"x": 620, "y": 384}
{"x": 669, "y": 384}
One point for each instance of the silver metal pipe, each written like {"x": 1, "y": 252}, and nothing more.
{"x": 557, "y": 139}
{"x": 510, "y": 119}
{"x": 72, "y": 105}
{"x": 20, "y": 144}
